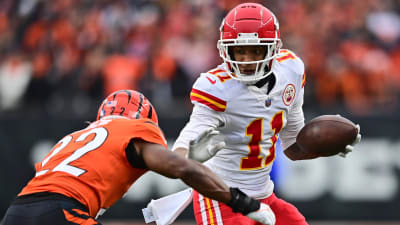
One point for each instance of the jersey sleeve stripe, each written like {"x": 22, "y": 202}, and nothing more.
{"x": 303, "y": 82}
{"x": 216, "y": 71}
{"x": 208, "y": 100}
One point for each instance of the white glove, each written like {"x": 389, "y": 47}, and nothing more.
{"x": 205, "y": 145}
{"x": 349, "y": 148}
{"x": 264, "y": 215}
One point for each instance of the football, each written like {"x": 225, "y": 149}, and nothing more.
{"x": 326, "y": 135}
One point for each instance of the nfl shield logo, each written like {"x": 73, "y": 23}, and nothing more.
{"x": 268, "y": 102}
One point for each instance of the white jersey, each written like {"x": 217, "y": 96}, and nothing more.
{"x": 249, "y": 120}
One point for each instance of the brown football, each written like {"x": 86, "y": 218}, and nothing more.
{"x": 326, "y": 135}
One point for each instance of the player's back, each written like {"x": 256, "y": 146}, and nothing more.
{"x": 91, "y": 165}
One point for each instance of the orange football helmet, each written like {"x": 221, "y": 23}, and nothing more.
{"x": 127, "y": 103}
{"x": 249, "y": 24}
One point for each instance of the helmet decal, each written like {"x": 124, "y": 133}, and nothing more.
{"x": 127, "y": 103}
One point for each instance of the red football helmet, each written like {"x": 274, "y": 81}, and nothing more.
{"x": 249, "y": 24}
{"x": 127, "y": 103}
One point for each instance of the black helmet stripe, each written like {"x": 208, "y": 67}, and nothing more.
{"x": 150, "y": 112}
{"x": 114, "y": 96}
{"x": 140, "y": 106}
{"x": 126, "y": 91}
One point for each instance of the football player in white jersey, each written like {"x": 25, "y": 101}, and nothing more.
{"x": 254, "y": 96}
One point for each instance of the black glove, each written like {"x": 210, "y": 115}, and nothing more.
{"x": 242, "y": 203}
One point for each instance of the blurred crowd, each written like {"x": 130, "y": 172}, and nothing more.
{"x": 62, "y": 57}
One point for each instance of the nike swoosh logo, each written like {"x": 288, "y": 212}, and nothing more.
{"x": 211, "y": 80}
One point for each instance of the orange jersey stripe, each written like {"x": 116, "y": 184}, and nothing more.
{"x": 80, "y": 212}
{"x": 303, "y": 82}
{"x": 213, "y": 102}
{"x": 79, "y": 218}
{"x": 72, "y": 218}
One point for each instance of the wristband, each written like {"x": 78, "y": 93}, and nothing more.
{"x": 242, "y": 203}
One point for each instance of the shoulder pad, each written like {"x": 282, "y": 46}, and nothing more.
{"x": 208, "y": 90}
{"x": 145, "y": 129}
{"x": 289, "y": 59}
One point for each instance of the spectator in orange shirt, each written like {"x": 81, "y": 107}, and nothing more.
{"x": 121, "y": 72}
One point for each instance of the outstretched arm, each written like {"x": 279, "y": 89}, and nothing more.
{"x": 202, "y": 179}
{"x": 203, "y": 147}
{"x": 192, "y": 173}
{"x": 199, "y": 140}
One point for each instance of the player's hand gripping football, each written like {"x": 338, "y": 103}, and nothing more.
{"x": 205, "y": 146}
{"x": 349, "y": 148}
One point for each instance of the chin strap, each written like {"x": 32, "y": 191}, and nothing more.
{"x": 270, "y": 80}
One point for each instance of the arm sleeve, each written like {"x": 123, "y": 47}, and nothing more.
{"x": 134, "y": 159}
{"x": 295, "y": 121}
{"x": 201, "y": 119}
